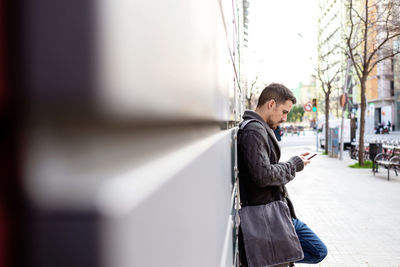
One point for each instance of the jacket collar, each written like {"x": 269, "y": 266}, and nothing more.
{"x": 250, "y": 114}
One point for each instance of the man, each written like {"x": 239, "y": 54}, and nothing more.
{"x": 261, "y": 175}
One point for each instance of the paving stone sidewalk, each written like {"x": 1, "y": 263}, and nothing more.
{"x": 356, "y": 214}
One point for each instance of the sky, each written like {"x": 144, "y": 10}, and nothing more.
{"x": 282, "y": 41}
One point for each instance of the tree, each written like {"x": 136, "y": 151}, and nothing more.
{"x": 296, "y": 114}
{"x": 251, "y": 93}
{"x": 328, "y": 72}
{"x": 373, "y": 25}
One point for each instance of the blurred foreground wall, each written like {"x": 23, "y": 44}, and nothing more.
{"x": 122, "y": 117}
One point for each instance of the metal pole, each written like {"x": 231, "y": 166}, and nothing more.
{"x": 316, "y": 129}
{"x": 344, "y": 108}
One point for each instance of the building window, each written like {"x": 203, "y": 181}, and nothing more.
{"x": 391, "y": 88}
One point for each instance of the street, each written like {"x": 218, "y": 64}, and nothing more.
{"x": 355, "y": 213}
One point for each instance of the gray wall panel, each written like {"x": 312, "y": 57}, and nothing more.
{"x": 182, "y": 223}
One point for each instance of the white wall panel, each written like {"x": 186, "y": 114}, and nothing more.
{"x": 164, "y": 59}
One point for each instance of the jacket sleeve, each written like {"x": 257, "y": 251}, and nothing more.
{"x": 261, "y": 171}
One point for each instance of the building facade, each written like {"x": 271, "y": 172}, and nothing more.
{"x": 331, "y": 60}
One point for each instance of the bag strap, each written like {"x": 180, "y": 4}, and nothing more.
{"x": 244, "y": 123}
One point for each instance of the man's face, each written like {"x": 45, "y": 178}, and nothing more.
{"x": 278, "y": 113}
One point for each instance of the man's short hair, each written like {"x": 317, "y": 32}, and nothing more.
{"x": 277, "y": 92}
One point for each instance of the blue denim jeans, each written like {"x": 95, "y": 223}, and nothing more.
{"x": 314, "y": 250}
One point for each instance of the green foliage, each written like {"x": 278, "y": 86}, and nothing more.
{"x": 324, "y": 153}
{"x": 296, "y": 114}
{"x": 367, "y": 165}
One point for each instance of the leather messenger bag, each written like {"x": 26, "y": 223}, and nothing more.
{"x": 269, "y": 236}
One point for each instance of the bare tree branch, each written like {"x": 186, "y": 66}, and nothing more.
{"x": 382, "y": 59}
{"x": 252, "y": 85}
{"x": 322, "y": 81}
{"x": 358, "y": 15}
{"x": 339, "y": 70}
{"x": 365, "y": 35}
{"x": 380, "y": 47}
{"x": 348, "y": 41}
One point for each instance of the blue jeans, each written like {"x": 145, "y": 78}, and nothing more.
{"x": 313, "y": 248}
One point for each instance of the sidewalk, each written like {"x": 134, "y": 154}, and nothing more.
{"x": 356, "y": 214}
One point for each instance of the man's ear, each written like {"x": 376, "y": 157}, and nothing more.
{"x": 271, "y": 104}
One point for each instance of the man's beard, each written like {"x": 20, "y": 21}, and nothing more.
{"x": 271, "y": 124}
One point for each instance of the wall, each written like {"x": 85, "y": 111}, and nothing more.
{"x": 128, "y": 134}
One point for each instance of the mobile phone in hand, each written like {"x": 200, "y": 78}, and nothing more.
{"x": 311, "y": 156}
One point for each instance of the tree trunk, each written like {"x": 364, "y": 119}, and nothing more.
{"x": 327, "y": 119}
{"x": 362, "y": 122}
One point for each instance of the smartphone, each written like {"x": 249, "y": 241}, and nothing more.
{"x": 311, "y": 156}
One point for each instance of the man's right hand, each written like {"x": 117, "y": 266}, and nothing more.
{"x": 303, "y": 157}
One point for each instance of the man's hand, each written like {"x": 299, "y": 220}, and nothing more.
{"x": 303, "y": 157}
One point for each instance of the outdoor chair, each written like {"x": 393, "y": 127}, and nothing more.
{"x": 389, "y": 159}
